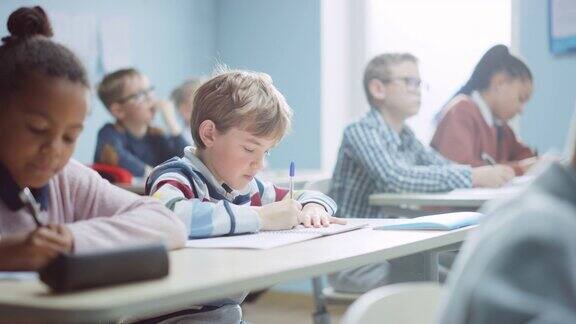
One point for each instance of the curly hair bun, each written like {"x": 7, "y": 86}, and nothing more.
{"x": 28, "y": 22}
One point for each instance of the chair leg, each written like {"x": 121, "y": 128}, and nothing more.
{"x": 434, "y": 271}
{"x": 321, "y": 315}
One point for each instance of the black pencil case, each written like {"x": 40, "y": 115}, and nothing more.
{"x": 70, "y": 272}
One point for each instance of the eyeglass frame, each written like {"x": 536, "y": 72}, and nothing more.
{"x": 409, "y": 82}
{"x": 144, "y": 93}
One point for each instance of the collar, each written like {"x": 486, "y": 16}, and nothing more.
{"x": 220, "y": 188}
{"x": 9, "y": 192}
{"x": 484, "y": 108}
{"x": 405, "y": 137}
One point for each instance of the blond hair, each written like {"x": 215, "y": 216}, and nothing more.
{"x": 111, "y": 88}
{"x": 379, "y": 68}
{"x": 185, "y": 91}
{"x": 244, "y": 99}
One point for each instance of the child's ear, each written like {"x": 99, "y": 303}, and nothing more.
{"x": 377, "y": 89}
{"x": 207, "y": 131}
{"x": 498, "y": 80}
{"x": 117, "y": 111}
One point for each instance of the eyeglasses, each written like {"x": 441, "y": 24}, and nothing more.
{"x": 409, "y": 82}
{"x": 139, "y": 96}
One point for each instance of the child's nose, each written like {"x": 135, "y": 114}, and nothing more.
{"x": 258, "y": 163}
{"x": 52, "y": 147}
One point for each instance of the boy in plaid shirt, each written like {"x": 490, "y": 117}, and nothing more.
{"x": 380, "y": 153}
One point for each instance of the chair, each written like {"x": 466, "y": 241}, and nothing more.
{"x": 406, "y": 303}
{"x": 325, "y": 295}
{"x": 112, "y": 173}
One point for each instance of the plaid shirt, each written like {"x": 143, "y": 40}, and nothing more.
{"x": 373, "y": 158}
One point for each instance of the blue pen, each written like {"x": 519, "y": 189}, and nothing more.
{"x": 292, "y": 171}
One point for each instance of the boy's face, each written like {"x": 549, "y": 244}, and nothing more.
{"x": 401, "y": 96}
{"x": 185, "y": 109}
{"x": 137, "y": 105}
{"x": 39, "y": 127}
{"x": 236, "y": 156}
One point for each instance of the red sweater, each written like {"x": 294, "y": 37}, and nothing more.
{"x": 463, "y": 135}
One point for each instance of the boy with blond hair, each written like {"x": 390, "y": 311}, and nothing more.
{"x": 131, "y": 142}
{"x": 183, "y": 98}
{"x": 238, "y": 116}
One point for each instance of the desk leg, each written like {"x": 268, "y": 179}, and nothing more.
{"x": 434, "y": 275}
{"x": 321, "y": 315}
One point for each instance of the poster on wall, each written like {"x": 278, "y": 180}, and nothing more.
{"x": 562, "y": 26}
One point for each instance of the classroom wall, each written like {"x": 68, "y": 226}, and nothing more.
{"x": 281, "y": 38}
{"x": 545, "y": 121}
{"x": 171, "y": 40}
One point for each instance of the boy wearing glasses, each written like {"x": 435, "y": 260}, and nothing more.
{"x": 131, "y": 142}
{"x": 380, "y": 153}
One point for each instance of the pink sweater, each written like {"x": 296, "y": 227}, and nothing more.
{"x": 99, "y": 214}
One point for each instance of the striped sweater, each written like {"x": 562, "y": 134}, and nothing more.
{"x": 209, "y": 208}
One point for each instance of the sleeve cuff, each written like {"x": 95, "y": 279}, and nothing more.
{"x": 319, "y": 198}
{"x": 246, "y": 220}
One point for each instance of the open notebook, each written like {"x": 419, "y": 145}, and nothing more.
{"x": 270, "y": 239}
{"x": 443, "y": 222}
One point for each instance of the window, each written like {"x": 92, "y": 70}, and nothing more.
{"x": 447, "y": 36}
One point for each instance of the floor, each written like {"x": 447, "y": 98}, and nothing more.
{"x": 286, "y": 308}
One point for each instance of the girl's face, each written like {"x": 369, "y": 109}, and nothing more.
{"x": 39, "y": 126}
{"x": 511, "y": 97}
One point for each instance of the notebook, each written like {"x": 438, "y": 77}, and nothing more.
{"x": 442, "y": 222}
{"x": 271, "y": 239}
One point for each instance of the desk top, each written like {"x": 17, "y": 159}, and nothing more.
{"x": 472, "y": 198}
{"x": 198, "y": 275}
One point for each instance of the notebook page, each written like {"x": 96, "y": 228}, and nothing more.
{"x": 323, "y": 231}
{"x": 260, "y": 241}
{"x": 271, "y": 239}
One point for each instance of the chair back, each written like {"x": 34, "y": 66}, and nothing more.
{"x": 406, "y": 303}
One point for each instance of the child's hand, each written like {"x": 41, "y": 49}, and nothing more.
{"x": 280, "y": 215}
{"x": 168, "y": 112}
{"x": 32, "y": 251}
{"x": 315, "y": 215}
{"x": 492, "y": 176}
{"x": 528, "y": 163}
{"x": 66, "y": 238}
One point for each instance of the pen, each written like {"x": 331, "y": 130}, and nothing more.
{"x": 488, "y": 159}
{"x": 292, "y": 171}
{"x": 30, "y": 202}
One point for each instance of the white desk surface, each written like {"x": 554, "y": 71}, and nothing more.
{"x": 198, "y": 275}
{"x": 472, "y": 198}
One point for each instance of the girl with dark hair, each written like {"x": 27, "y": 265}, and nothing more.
{"x": 473, "y": 129}
{"x": 43, "y": 104}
